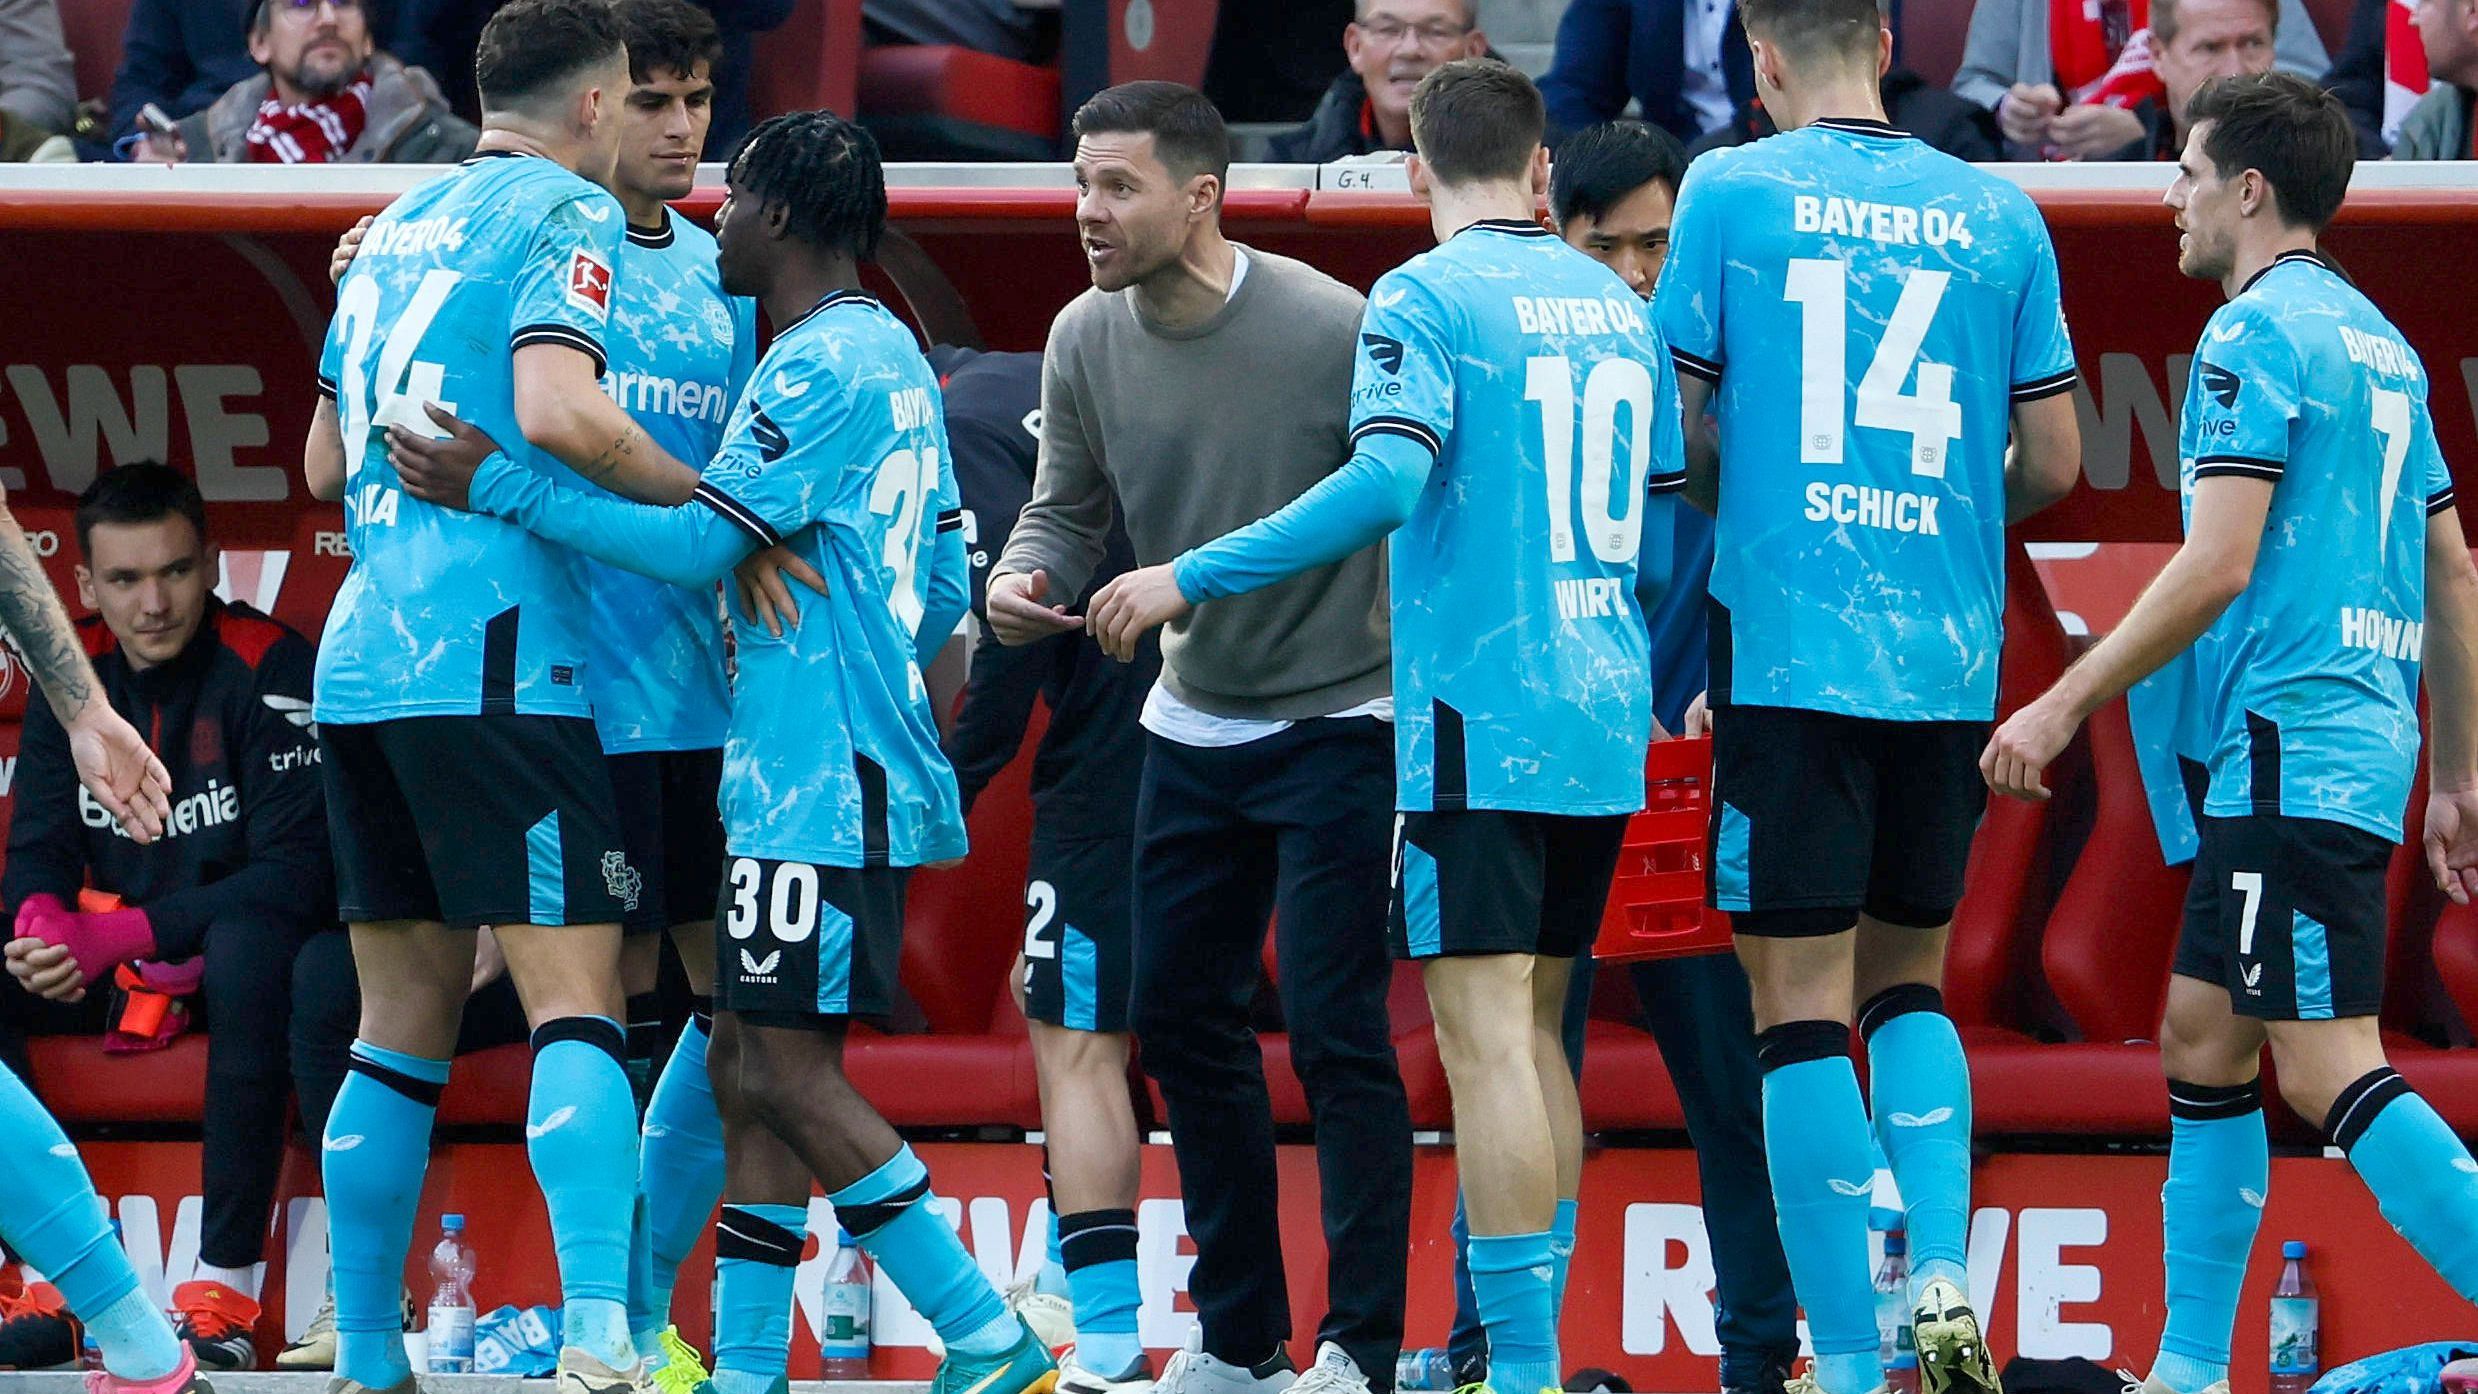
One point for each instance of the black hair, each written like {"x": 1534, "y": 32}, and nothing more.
{"x": 2291, "y": 131}
{"x": 533, "y": 49}
{"x": 259, "y": 17}
{"x": 1599, "y": 167}
{"x": 670, "y": 36}
{"x": 1476, "y": 119}
{"x": 139, "y": 492}
{"x": 824, "y": 172}
{"x": 1812, "y": 28}
{"x": 1189, "y": 136}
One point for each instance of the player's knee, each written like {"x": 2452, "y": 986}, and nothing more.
{"x": 2203, "y": 1043}
{"x": 2315, "y": 1067}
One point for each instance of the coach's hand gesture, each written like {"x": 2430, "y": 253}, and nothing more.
{"x": 2452, "y": 842}
{"x": 2022, "y": 749}
{"x": 1131, "y": 606}
{"x": 440, "y": 470}
{"x": 1020, "y": 611}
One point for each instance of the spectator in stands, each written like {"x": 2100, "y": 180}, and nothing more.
{"x": 1685, "y": 62}
{"x": 2359, "y": 77}
{"x": 38, "y": 80}
{"x": 2439, "y": 126}
{"x": 2067, "y": 78}
{"x": 1911, "y": 102}
{"x": 241, "y": 876}
{"x": 1391, "y": 45}
{"x": 179, "y": 55}
{"x": 325, "y": 95}
{"x": 442, "y": 36}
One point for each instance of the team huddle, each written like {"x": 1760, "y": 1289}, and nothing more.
{"x": 554, "y": 439}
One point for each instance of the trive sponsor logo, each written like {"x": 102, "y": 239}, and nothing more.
{"x": 1865, "y": 506}
{"x": 2377, "y": 632}
{"x": 212, "y": 807}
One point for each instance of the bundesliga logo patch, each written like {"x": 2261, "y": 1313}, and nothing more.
{"x": 589, "y": 284}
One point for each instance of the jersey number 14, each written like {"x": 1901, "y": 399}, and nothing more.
{"x": 1821, "y": 290}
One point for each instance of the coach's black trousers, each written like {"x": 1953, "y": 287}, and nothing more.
{"x": 1298, "y": 825}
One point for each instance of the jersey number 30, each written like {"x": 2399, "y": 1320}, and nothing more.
{"x": 1821, "y": 290}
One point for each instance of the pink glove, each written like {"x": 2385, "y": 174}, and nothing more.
{"x": 100, "y": 942}
{"x": 172, "y": 979}
{"x": 36, "y": 906}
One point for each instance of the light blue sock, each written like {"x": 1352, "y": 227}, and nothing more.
{"x": 679, "y": 1178}
{"x": 2219, "y": 1171}
{"x": 2422, "y": 1176}
{"x": 59, "y": 1227}
{"x": 581, "y": 1135}
{"x": 1823, "y": 1174}
{"x": 1562, "y": 1254}
{"x": 137, "y": 1343}
{"x": 888, "y": 1212}
{"x": 1513, "y": 1276}
{"x": 376, "y": 1151}
{"x": 756, "y": 1255}
{"x": 1922, "y": 1114}
{"x": 1052, "y": 1278}
{"x": 1101, "y": 1246}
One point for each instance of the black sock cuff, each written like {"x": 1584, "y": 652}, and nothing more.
{"x": 2361, "y": 1104}
{"x": 420, "y": 1091}
{"x": 600, "y": 1032}
{"x": 1901, "y": 999}
{"x": 645, "y": 1009}
{"x": 861, "y": 1221}
{"x": 2199, "y": 1103}
{"x": 1096, "y": 1236}
{"x": 1797, "y": 1042}
{"x": 742, "y": 1233}
{"x": 701, "y": 1011}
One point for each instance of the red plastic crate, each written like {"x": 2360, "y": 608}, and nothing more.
{"x": 1656, "y": 901}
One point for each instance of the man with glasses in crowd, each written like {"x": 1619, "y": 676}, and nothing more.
{"x": 1391, "y": 45}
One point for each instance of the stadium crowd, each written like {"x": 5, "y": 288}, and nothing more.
{"x": 651, "y": 634}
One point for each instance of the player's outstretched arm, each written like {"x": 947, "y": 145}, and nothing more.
{"x": 1703, "y": 443}
{"x": 2208, "y": 572}
{"x": 2046, "y": 457}
{"x": 112, "y": 761}
{"x": 2451, "y": 660}
{"x": 322, "y": 455}
{"x": 467, "y": 470}
{"x": 561, "y": 408}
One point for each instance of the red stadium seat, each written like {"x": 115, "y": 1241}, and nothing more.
{"x": 2109, "y": 941}
{"x": 489, "y": 1087}
{"x": 81, "y": 1084}
{"x": 810, "y": 61}
{"x": 95, "y": 29}
{"x": 939, "y": 101}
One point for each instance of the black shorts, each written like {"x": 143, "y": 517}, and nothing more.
{"x": 1818, "y": 817}
{"x": 1488, "y": 881}
{"x": 2288, "y": 914}
{"x": 671, "y": 821}
{"x": 474, "y": 820}
{"x": 1077, "y": 953}
{"x": 800, "y": 942}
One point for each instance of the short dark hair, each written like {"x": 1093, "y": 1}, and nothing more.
{"x": 532, "y": 48}
{"x": 139, "y": 492}
{"x": 1189, "y": 136}
{"x": 1599, "y": 167}
{"x": 259, "y": 17}
{"x": 824, "y": 172}
{"x": 1811, "y": 28}
{"x": 2291, "y": 130}
{"x": 2166, "y": 20}
{"x": 1476, "y": 119}
{"x": 670, "y": 36}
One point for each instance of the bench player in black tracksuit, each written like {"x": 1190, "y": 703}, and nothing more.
{"x": 240, "y": 876}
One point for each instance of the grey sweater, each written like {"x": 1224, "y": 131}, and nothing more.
{"x": 1201, "y": 430}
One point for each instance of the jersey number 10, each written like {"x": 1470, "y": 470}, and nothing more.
{"x": 1821, "y": 290}
{"x": 1612, "y": 383}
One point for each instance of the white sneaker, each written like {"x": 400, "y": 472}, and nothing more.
{"x": 1074, "y": 1378}
{"x": 1191, "y": 1371}
{"x": 1334, "y": 1372}
{"x": 316, "y": 1350}
{"x": 1051, "y": 1317}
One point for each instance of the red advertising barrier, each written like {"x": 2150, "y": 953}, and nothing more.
{"x": 2065, "y": 1253}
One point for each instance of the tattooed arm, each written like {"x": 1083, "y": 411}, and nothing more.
{"x": 561, "y": 408}
{"x": 112, "y": 762}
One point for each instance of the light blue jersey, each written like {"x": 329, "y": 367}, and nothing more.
{"x": 1512, "y": 400}
{"x": 447, "y": 613}
{"x": 837, "y": 449}
{"x": 1871, "y": 310}
{"x": 2301, "y": 381}
{"x": 680, "y": 352}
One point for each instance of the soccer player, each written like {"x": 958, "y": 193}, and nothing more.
{"x": 1073, "y": 971}
{"x": 833, "y": 784}
{"x": 465, "y": 783}
{"x": 1868, "y": 317}
{"x": 1515, "y": 505}
{"x": 2322, "y": 560}
{"x": 53, "y": 1219}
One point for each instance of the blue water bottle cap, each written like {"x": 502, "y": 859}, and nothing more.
{"x": 2295, "y": 1248}
{"x": 1895, "y": 1244}
{"x": 844, "y": 1239}
{"x": 453, "y": 1224}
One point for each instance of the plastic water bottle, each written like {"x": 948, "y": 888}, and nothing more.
{"x": 450, "y": 1329}
{"x": 1894, "y": 1343}
{"x": 2296, "y": 1325}
{"x": 1429, "y": 1367}
{"x": 843, "y": 1347}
